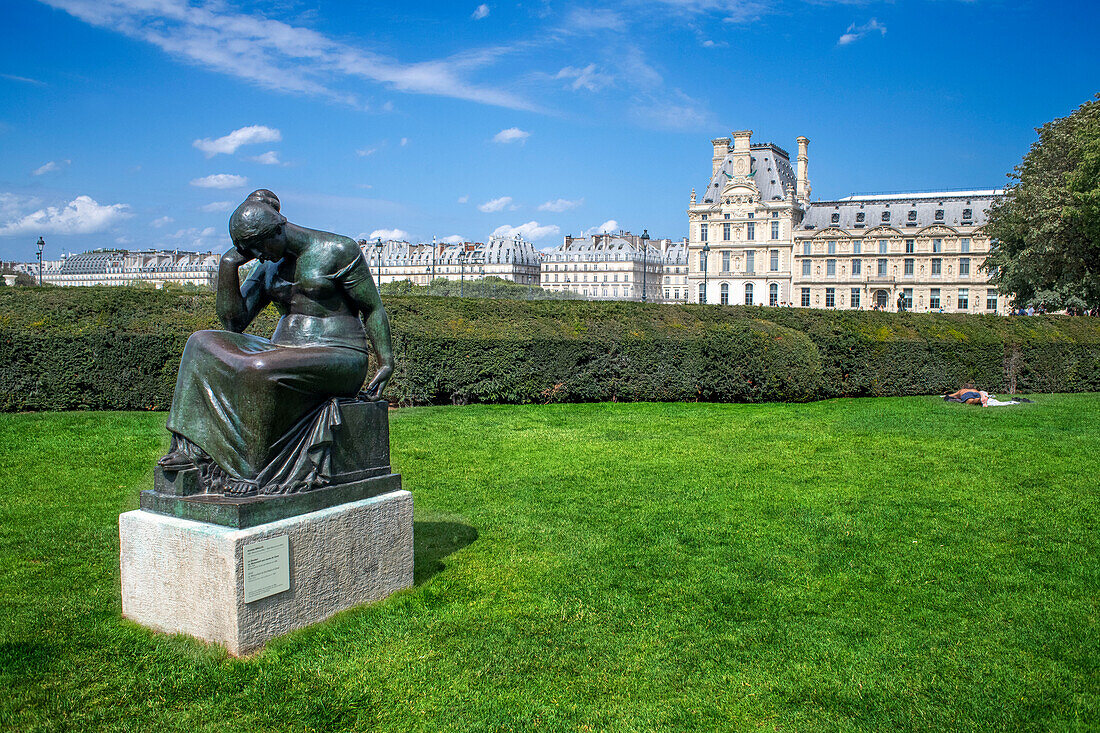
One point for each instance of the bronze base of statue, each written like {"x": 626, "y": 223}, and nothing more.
{"x": 354, "y": 464}
{"x": 241, "y": 512}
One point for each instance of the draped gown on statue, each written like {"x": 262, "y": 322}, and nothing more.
{"x": 262, "y": 410}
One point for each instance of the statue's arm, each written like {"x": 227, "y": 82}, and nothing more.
{"x": 363, "y": 292}
{"x": 237, "y": 305}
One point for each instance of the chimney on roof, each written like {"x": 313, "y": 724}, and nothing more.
{"x": 742, "y": 158}
{"x": 802, "y": 188}
{"x": 721, "y": 150}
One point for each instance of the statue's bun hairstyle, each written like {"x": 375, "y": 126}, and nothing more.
{"x": 254, "y": 221}
{"x": 265, "y": 196}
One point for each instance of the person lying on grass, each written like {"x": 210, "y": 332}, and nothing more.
{"x": 971, "y": 396}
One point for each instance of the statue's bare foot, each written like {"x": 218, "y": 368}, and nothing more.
{"x": 241, "y": 488}
{"x": 176, "y": 460}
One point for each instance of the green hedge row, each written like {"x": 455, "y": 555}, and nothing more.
{"x": 118, "y": 348}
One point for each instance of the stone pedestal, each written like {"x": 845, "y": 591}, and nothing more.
{"x": 186, "y": 576}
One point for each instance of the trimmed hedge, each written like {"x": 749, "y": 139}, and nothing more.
{"x": 118, "y": 348}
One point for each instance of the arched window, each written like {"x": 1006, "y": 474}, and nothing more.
{"x": 725, "y": 294}
{"x": 748, "y": 293}
{"x": 773, "y": 294}
{"x": 702, "y": 293}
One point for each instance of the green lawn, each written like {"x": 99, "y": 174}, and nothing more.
{"x": 889, "y": 564}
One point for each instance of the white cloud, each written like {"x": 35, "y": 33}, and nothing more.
{"x": 559, "y": 205}
{"x": 206, "y": 238}
{"x": 404, "y": 141}
{"x": 366, "y": 152}
{"x": 854, "y": 32}
{"x": 24, "y": 80}
{"x": 363, "y": 185}
{"x": 215, "y": 206}
{"x": 480, "y": 12}
{"x": 220, "y": 180}
{"x": 386, "y": 234}
{"x": 496, "y": 205}
{"x": 594, "y": 20}
{"x": 228, "y": 144}
{"x": 13, "y": 205}
{"x": 587, "y": 78}
{"x": 463, "y": 199}
{"x": 285, "y": 58}
{"x": 50, "y": 167}
{"x": 162, "y": 221}
{"x": 82, "y": 215}
{"x": 454, "y": 239}
{"x": 608, "y": 226}
{"x": 511, "y": 135}
{"x": 268, "y": 158}
{"x": 529, "y": 231}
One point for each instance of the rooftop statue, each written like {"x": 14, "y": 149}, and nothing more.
{"x": 256, "y": 415}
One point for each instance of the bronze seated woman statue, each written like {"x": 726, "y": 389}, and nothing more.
{"x": 256, "y": 415}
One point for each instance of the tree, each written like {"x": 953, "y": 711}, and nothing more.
{"x": 1046, "y": 230}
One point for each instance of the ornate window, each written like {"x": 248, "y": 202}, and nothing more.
{"x": 748, "y": 293}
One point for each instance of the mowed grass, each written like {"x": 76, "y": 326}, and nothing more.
{"x": 887, "y": 564}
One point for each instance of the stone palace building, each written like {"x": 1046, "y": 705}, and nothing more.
{"x": 756, "y": 238}
{"x": 125, "y": 267}
{"x": 509, "y": 258}
{"x": 617, "y": 267}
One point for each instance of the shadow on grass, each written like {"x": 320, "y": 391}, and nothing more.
{"x": 433, "y": 541}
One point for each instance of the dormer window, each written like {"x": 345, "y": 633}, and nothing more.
{"x": 836, "y": 218}
{"x": 886, "y": 216}
{"x": 913, "y": 215}
{"x": 860, "y": 216}
{"x": 968, "y": 214}
{"x": 939, "y": 214}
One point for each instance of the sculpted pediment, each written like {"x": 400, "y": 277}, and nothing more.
{"x": 830, "y": 232}
{"x": 740, "y": 192}
{"x": 882, "y": 231}
{"x": 934, "y": 230}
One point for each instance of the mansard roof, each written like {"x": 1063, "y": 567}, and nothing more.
{"x": 902, "y": 210}
{"x": 771, "y": 172}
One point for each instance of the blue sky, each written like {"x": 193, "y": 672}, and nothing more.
{"x": 142, "y": 123}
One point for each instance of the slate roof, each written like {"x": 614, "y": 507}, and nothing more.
{"x": 771, "y": 172}
{"x": 903, "y": 210}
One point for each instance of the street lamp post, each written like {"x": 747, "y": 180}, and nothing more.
{"x": 378, "y": 247}
{"x": 706, "y": 252}
{"x": 41, "y": 244}
{"x": 645, "y": 260}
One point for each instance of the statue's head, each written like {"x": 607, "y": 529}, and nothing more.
{"x": 265, "y": 196}
{"x": 258, "y": 229}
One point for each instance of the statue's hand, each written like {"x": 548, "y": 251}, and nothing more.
{"x": 378, "y": 384}
{"x": 235, "y": 258}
